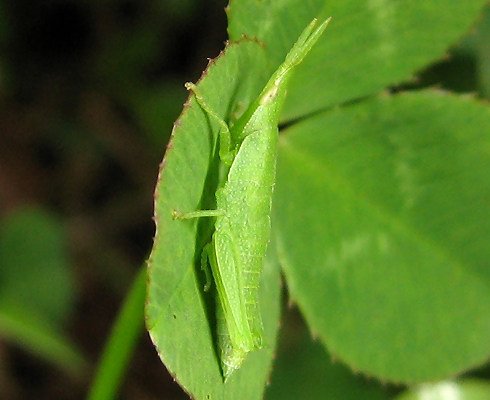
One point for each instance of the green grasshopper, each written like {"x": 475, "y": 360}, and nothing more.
{"x": 242, "y": 227}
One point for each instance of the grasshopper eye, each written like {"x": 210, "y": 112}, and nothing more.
{"x": 270, "y": 96}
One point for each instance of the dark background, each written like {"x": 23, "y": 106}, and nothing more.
{"x": 88, "y": 94}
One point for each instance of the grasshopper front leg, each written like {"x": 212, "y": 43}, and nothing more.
{"x": 226, "y": 153}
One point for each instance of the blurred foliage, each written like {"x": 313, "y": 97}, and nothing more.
{"x": 89, "y": 91}
{"x": 37, "y": 287}
{"x": 303, "y": 369}
{"x": 466, "y": 389}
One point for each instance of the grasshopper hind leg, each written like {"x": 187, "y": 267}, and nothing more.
{"x": 231, "y": 357}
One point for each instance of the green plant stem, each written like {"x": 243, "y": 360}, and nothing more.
{"x": 19, "y": 326}
{"x": 121, "y": 343}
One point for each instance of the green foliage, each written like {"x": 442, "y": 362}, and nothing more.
{"x": 397, "y": 276}
{"x": 121, "y": 343}
{"x": 36, "y": 287}
{"x": 380, "y": 212}
{"x": 304, "y": 370}
{"x": 372, "y": 44}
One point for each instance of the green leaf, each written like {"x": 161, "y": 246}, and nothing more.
{"x": 32, "y": 333}
{"x": 180, "y": 315}
{"x": 36, "y": 287}
{"x": 303, "y": 370}
{"x": 483, "y": 52}
{"x": 368, "y": 44}
{"x": 34, "y": 268}
{"x": 382, "y": 222}
{"x": 379, "y": 213}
